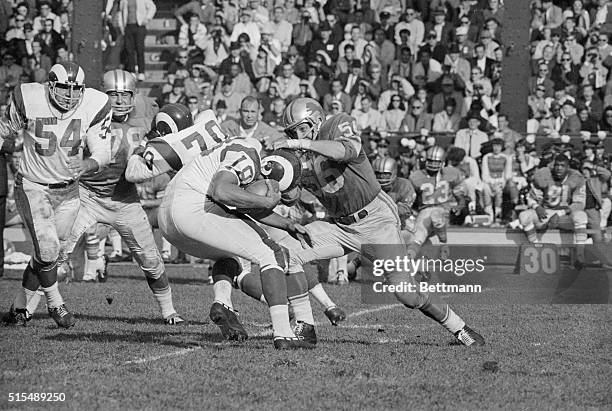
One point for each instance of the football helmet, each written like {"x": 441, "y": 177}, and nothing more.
{"x": 434, "y": 159}
{"x": 284, "y": 167}
{"x": 66, "y": 85}
{"x": 385, "y": 169}
{"x": 172, "y": 118}
{"x": 303, "y": 111}
{"x": 120, "y": 81}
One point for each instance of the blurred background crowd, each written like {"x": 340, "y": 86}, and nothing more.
{"x": 413, "y": 74}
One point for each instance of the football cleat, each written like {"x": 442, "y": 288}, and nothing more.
{"x": 62, "y": 316}
{"x": 19, "y": 316}
{"x": 227, "y": 321}
{"x": 291, "y": 343}
{"x": 335, "y": 315}
{"x": 305, "y": 332}
{"x": 468, "y": 337}
{"x": 175, "y": 319}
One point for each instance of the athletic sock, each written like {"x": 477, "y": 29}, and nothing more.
{"x": 54, "y": 298}
{"x": 321, "y": 296}
{"x": 33, "y": 300}
{"x": 164, "y": 300}
{"x": 453, "y": 323}
{"x": 302, "y": 309}
{"x": 280, "y": 321}
{"x": 222, "y": 291}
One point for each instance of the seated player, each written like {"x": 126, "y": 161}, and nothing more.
{"x": 556, "y": 200}
{"x": 200, "y": 214}
{"x": 439, "y": 191}
{"x": 496, "y": 172}
{"x": 336, "y": 170}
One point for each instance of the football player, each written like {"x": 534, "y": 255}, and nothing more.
{"x": 59, "y": 118}
{"x": 399, "y": 189}
{"x": 336, "y": 170}
{"x": 106, "y": 197}
{"x": 556, "y": 200}
{"x": 199, "y": 215}
{"x": 439, "y": 191}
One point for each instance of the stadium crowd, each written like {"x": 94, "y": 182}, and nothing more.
{"x": 412, "y": 73}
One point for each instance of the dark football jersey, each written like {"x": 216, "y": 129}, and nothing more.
{"x": 402, "y": 193}
{"x": 557, "y": 195}
{"x": 111, "y": 182}
{"x": 343, "y": 187}
{"x": 438, "y": 190}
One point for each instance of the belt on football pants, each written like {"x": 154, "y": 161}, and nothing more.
{"x": 63, "y": 184}
{"x": 352, "y": 218}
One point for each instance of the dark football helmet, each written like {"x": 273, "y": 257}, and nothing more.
{"x": 66, "y": 85}
{"x": 173, "y": 118}
{"x": 300, "y": 111}
{"x": 284, "y": 167}
{"x": 385, "y": 169}
{"x": 434, "y": 159}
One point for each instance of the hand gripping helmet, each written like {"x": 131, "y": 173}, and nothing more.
{"x": 120, "y": 81}
{"x": 434, "y": 159}
{"x": 303, "y": 111}
{"x": 66, "y": 85}
{"x": 385, "y": 169}
{"x": 172, "y": 118}
{"x": 284, "y": 167}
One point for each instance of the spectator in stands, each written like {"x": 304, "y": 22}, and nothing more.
{"x": 45, "y": 13}
{"x": 417, "y": 118}
{"x": 552, "y": 16}
{"x": 17, "y": 31}
{"x": 394, "y": 114}
{"x": 571, "y": 123}
{"x": 471, "y": 139}
{"x": 597, "y": 179}
{"x": 215, "y": 50}
{"x": 231, "y": 98}
{"x": 438, "y": 101}
{"x": 288, "y": 82}
{"x": 592, "y": 70}
{"x": 480, "y": 60}
{"x": 415, "y": 27}
{"x": 316, "y": 80}
{"x": 240, "y": 81}
{"x": 366, "y": 117}
{"x": 427, "y": 70}
{"x": 587, "y": 123}
{"x": 249, "y": 124}
{"x": 274, "y": 116}
{"x": 282, "y": 28}
{"x": 49, "y": 39}
{"x": 193, "y": 105}
{"x": 260, "y": 13}
{"x": 176, "y": 95}
{"x": 606, "y": 120}
{"x": 447, "y": 120}
{"x": 200, "y": 77}
{"x": 192, "y": 37}
{"x": 136, "y": 14}
{"x": 496, "y": 172}
{"x": 221, "y": 111}
{"x": 509, "y": 136}
{"x": 337, "y": 94}
{"x": 591, "y": 102}
{"x": 203, "y": 9}
{"x": 457, "y": 64}
{"x": 10, "y": 74}
{"x": 303, "y": 32}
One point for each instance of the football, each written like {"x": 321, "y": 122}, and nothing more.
{"x": 262, "y": 188}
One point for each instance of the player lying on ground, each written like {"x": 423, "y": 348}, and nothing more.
{"x": 336, "y": 170}
{"x": 106, "y": 197}
{"x": 171, "y": 149}
{"x": 58, "y": 119}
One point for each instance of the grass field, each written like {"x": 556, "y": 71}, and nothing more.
{"x": 121, "y": 356}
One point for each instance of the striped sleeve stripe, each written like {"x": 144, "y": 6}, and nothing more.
{"x": 167, "y": 152}
{"x": 18, "y": 103}
{"x": 102, "y": 114}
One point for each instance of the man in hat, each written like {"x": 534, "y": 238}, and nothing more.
{"x": 471, "y": 138}
{"x": 221, "y": 111}
{"x": 465, "y": 45}
{"x": 442, "y": 29}
{"x": 447, "y": 91}
{"x": 571, "y": 123}
{"x": 231, "y": 98}
{"x": 323, "y": 42}
{"x": 176, "y": 95}
{"x": 350, "y": 80}
{"x": 457, "y": 64}
{"x": 236, "y": 56}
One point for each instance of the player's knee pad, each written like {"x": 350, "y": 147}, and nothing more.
{"x": 151, "y": 264}
{"x": 579, "y": 218}
{"x": 439, "y": 218}
{"x": 226, "y": 268}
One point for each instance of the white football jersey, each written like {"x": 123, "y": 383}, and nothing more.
{"x": 239, "y": 156}
{"x": 173, "y": 151}
{"x": 50, "y": 137}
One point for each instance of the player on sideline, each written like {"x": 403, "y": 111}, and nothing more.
{"x": 57, "y": 118}
{"x": 196, "y": 216}
{"x": 337, "y": 171}
{"x": 106, "y": 197}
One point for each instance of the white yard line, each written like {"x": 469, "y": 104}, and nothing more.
{"x": 261, "y": 333}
